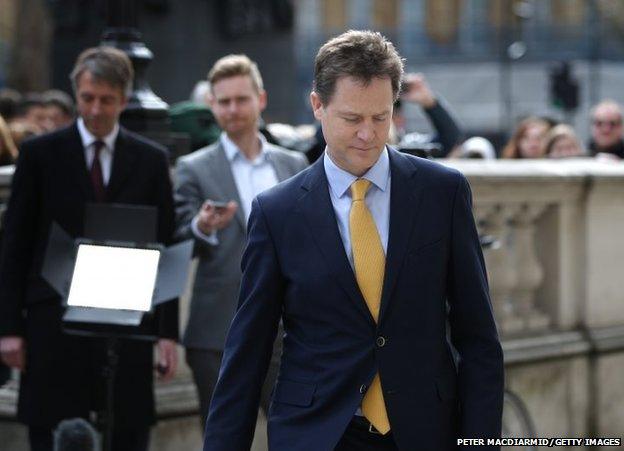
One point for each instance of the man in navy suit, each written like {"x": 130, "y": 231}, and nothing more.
{"x": 366, "y": 256}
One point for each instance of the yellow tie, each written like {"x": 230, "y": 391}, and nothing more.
{"x": 370, "y": 262}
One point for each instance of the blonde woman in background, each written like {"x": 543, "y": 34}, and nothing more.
{"x": 8, "y": 149}
{"x": 562, "y": 142}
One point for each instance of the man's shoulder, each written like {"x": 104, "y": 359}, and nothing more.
{"x": 200, "y": 155}
{"x": 286, "y": 154}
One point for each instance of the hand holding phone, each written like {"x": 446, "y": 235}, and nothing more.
{"x": 215, "y": 215}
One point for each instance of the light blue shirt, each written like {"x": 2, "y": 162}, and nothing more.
{"x": 377, "y": 198}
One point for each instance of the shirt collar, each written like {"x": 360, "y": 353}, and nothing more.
{"x": 340, "y": 180}
{"x": 232, "y": 151}
{"x": 88, "y": 138}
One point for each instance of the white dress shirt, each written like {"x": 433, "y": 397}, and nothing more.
{"x": 106, "y": 154}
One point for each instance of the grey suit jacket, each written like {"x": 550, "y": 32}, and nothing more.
{"x": 206, "y": 174}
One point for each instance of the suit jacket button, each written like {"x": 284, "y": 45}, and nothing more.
{"x": 381, "y": 341}
{"x": 363, "y": 388}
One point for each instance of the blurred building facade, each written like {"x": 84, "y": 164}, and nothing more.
{"x": 491, "y": 59}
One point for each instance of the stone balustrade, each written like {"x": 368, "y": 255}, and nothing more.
{"x": 554, "y": 257}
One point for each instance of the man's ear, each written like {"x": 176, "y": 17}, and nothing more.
{"x": 317, "y": 105}
{"x": 262, "y": 99}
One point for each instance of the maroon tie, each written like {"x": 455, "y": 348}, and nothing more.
{"x": 97, "y": 179}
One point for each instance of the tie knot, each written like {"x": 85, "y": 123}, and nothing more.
{"x": 98, "y": 146}
{"x": 359, "y": 189}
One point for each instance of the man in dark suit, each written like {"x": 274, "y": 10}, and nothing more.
{"x": 366, "y": 256}
{"x": 93, "y": 160}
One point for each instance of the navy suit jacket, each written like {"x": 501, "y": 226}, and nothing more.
{"x": 295, "y": 268}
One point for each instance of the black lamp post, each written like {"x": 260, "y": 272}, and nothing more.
{"x": 146, "y": 113}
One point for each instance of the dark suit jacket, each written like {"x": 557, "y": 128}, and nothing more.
{"x": 295, "y": 267}
{"x": 51, "y": 183}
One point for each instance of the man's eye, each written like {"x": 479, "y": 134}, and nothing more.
{"x": 351, "y": 120}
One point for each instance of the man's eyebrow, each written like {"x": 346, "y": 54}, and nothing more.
{"x": 353, "y": 113}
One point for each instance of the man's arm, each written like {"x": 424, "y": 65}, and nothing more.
{"x": 447, "y": 131}
{"x": 196, "y": 217}
{"x": 234, "y": 408}
{"x": 473, "y": 330}
{"x": 167, "y": 313}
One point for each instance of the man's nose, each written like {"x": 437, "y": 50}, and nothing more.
{"x": 96, "y": 107}
{"x": 366, "y": 132}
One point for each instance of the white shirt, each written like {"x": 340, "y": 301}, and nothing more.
{"x": 106, "y": 154}
{"x": 251, "y": 176}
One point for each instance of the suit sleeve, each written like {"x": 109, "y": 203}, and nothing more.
{"x": 473, "y": 330}
{"x": 167, "y": 313}
{"x": 234, "y": 408}
{"x": 19, "y": 224}
{"x": 188, "y": 200}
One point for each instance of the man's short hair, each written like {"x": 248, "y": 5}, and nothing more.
{"x": 363, "y": 55}
{"x": 105, "y": 64}
{"x": 232, "y": 66}
{"x": 59, "y": 99}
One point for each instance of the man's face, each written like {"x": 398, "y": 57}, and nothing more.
{"x": 56, "y": 117}
{"x": 99, "y": 104}
{"x": 606, "y": 125}
{"x": 237, "y": 105}
{"x": 356, "y": 122}
{"x": 36, "y": 117}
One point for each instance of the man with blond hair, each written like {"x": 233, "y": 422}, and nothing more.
{"x": 214, "y": 190}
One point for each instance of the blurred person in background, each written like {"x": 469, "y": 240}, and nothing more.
{"x": 561, "y": 142}
{"x": 21, "y": 131}
{"x": 447, "y": 134}
{"x": 477, "y": 148}
{"x": 57, "y": 174}
{"x": 8, "y": 149}
{"x": 232, "y": 171}
{"x": 32, "y": 112}
{"x": 10, "y": 100}
{"x": 527, "y": 140}
{"x": 59, "y": 109}
{"x": 606, "y": 131}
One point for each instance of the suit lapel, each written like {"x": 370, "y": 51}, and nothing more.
{"x": 319, "y": 215}
{"x": 223, "y": 173}
{"x": 405, "y": 195}
{"x": 124, "y": 159}
{"x": 77, "y": 163}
